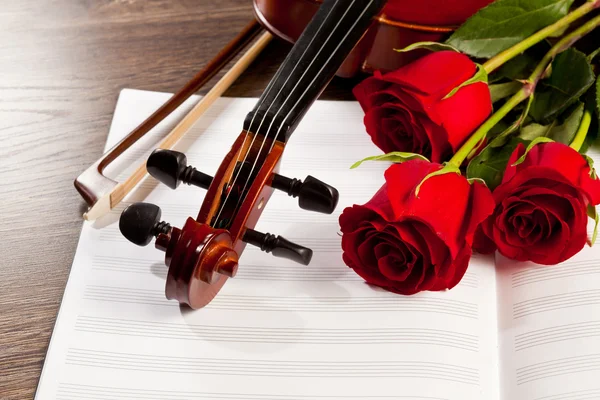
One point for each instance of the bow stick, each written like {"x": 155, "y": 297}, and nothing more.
{"x": 102, "y": 193}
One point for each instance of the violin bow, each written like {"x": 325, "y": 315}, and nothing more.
{"x": 102, "y": 193}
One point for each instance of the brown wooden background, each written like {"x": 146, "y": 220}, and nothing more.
{"x": 62, "y": 65}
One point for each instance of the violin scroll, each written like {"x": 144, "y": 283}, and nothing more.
{"x": 200, "y": 258}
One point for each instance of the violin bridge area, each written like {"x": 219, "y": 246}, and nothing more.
{"x": 278, "y": 329}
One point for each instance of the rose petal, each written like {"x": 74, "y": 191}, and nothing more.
{"x": 482, "y": 242}
{"x": 460, "y": 265}
{"x": 459, "y": 125}
{"x": 423, "y": 75}
{"x": 558, "y": 159}
{"x": 465, "y": 206}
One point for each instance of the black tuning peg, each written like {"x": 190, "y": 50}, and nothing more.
{"x": 313, "y": 195}
{"x": 279, "y": 246}
{"x": 140, "y": 222}
{"x": 170, "y": 167}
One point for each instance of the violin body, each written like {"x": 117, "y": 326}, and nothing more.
{"x": 375, "y": 51}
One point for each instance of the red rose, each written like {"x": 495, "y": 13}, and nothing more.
{"x": 405, "y": 109}
{"x": 408, "y": 244}
{"x": 540, "y": 212}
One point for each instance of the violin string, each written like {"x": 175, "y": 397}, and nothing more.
{"x": 232, "y": 183}
{"x": 237, "y": 160}
{"x": 307, "y": 87}
{"x": 321, "y": 70}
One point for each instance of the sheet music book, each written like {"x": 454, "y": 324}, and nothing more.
{"x": 280, "y": 330}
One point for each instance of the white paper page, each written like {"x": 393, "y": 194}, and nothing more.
{"x": 278, "y": 330}
{"x": 549, "y": 325}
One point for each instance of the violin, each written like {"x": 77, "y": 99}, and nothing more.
{"x": 205, "y": 252}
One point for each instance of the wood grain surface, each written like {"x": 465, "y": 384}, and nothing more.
{"x": 62, "y": 65}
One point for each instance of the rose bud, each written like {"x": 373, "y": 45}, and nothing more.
{"x": 407, "y": 243}
{"x": 540, "y": 213}
{"x": 405, "y": 110}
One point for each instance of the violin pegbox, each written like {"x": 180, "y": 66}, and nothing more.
{"x": 201, "y": 257}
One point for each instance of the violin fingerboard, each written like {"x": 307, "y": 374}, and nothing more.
{"x": 313, "y": 61}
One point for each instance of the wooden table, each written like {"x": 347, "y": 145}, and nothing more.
{"x": 62, "y": 65}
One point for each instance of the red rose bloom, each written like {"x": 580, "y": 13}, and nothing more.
{"x": 540, "y": 212}
{"x": 405, "y": 109}
{"x": 407, "y": 244}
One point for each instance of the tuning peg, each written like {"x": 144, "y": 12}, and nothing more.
{"x": 170, "y": 167}
{"x": 140, "y": 222}
{"x": 313, "y": 195}
{"x": 280, "y": 247}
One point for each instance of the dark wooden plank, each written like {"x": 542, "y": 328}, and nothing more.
{"x": 63, "y": 65}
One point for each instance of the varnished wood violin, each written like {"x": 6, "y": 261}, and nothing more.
{"x": 205, "y": 252}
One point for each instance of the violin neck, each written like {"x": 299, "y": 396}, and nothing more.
{"x": 313, "y": 61}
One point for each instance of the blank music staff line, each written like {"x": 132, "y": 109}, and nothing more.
{"x": 591, "y": 394}
{"x": 563, "y": 366}
{"x": 70, "y": 391}
{"x": 249, "y": 272}
{"x": 269, "y": 335}
{"x": 556, "y": 302}
{"x": 273, "y": 368}
{"x": 556, "y": 334}
{"x": 239, "y": 302}
{"x": 542, "y": 274}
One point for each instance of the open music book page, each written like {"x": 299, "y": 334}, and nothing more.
{"x": 549, "y": 327}
{"x": 278, "y": 330}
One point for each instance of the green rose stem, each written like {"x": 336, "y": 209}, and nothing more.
{"x": 582, "y": 131}
{"x": 525, "y": 92}
{"x": 498, "y": 60}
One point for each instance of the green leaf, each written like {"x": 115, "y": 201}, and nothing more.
{"x": 480, "y": 76}
{"x": 499, "y": 128}
{"x": 562, "y": 133}
{"x": 590, "y": 162}
{"x": 489, "y": 165}
{"x": 446, "y": 169}
{"x": 500, "y": 91}
{"x": 433, "y": 46}
{"x": 505, "y": 23}
{"x": 534, "y": 142}
{"x": 395, "y": 157}
{"x": 592, "y": 213}
{"x": 571, "y": 77}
